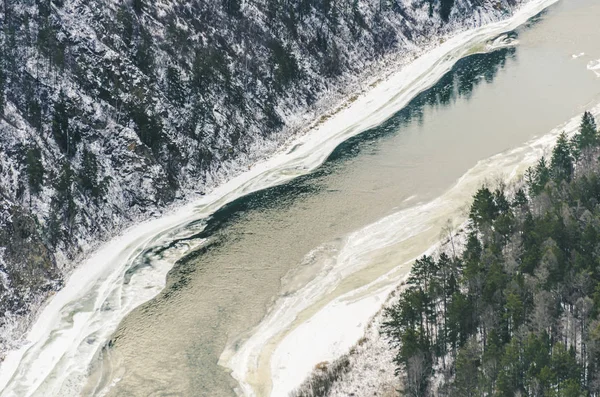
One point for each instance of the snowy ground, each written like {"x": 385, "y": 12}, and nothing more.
{"x": 371, "y": 371}
{"x": 138, "y": 190}
{"x": 61, "y": 345}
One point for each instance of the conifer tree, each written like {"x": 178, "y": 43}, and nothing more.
{"x": 148, "y": 127}
{"x": 484, "y": 208}
{"x": 63, "y": 200}
{"x": 89, "y": 173}
{"x": 446, "y": 9}
{"x": 587, "y": 136}
{"x": 561, "y": 164}
{"x": 61, "y": 129}
{"x": 144, "y": 55}
{"x": 537, "y": 177}
{"x": 63, "y": 209}
{"x": 125, "y": 20}
{"x": 35, "y": 169}
{"x": 138, "y": 6}
{"x": 2, "y": 82}
{"x": 285, "y": 69}
{"x": 520, "y": 199}
{"x": 232, "y": 7}
{"x": 175, "y": 88}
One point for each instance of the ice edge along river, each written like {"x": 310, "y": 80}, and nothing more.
{"x": 81, "y": 317}
{"x": 291, "y": 346}
{"x": 334, "y": 329}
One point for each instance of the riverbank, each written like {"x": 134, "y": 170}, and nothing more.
{"x": 307, "y": 155}
{"x": 278, "y": 343}
{"x": 135, "y": 175}
{"x": 368, "y": 367}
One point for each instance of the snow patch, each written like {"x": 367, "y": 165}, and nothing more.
{"x": 594, "y": 66}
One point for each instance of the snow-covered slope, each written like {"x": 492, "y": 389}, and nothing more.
{"x": 111, "y": 111}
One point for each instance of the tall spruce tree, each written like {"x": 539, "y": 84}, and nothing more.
{"x": 2, "y": 81}
{"x": 561, "y": 164}
{"x": 175, "y": 88}
{"x": 144, "y": 55}
{"x": 587, "y": 136}
{"x": 484, "y": 209}
{"x": 61, "y": 129}
{"x": 89, "y": 173}
{"x": 35, "y": 169}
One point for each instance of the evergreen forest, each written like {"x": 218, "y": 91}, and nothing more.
{"x": 516, "y": 311}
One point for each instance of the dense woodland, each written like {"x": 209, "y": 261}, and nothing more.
{"x": 517, "y": 312}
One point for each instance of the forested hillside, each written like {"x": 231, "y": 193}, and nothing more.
{"x": 112, "y": 110}
{"x": 517, "y": 313}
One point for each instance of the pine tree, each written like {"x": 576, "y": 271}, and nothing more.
{"x": 63, "y": 201}
{"x": 587, "y": 136}
{"x": 175, "y": 89}
{"x": 35, "y": 169}
{"x": 561, "y": 164}
{"x": 61, "y": 130}
{"x": 331, "y": 61}
{"x": 144, "y": 55}
{"x": 148, "y": 127}
{"x": 126, "y": 24}
{"x": 52, "y": 228}
{"x": 520, "y": 199}
{"x": 285, "y": 67}
{"x": 2, "y": 82}
{"x": 33, "y": 107}
{"x": 89, "y": 173}
{"x": 537, "y": 177}
{"x": 63, "y": 209}
{"x": 422, "y": 272}
{"x": 484, "y": 209}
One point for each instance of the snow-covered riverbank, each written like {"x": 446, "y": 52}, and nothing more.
{"x": 372, "y": 355}
{"x": 276, "y": 350}
{"x": 81, "y": 317}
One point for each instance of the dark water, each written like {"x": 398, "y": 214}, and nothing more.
{"x": 459, "y": 83}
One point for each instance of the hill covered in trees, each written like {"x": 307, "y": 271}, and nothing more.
{"x": 112, "y": 110}
{"x": 517, "y": 313}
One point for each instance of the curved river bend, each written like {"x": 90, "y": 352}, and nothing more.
{"x": 264, "y": 248}
{"x": 283, "y": 278}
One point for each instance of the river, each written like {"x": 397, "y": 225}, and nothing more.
{"x": 487, "y": 104}
{"x": 258, "y": 274}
